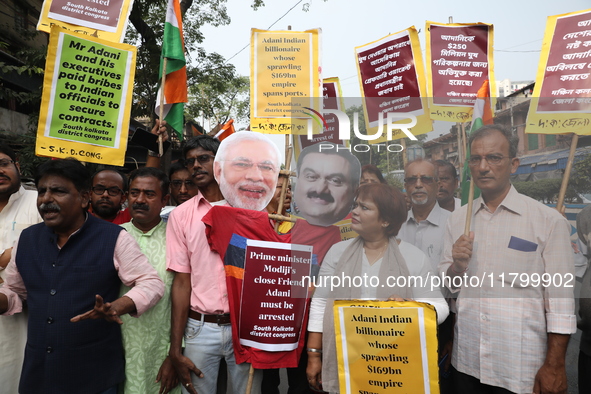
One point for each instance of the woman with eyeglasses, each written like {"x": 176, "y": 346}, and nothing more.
{"x": 378, "y": 213}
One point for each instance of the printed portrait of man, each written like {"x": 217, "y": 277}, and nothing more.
{"x": 327, "y": 177}
{"x": 247, "y": 167}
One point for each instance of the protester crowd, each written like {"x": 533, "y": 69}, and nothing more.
{"x": 111, "y": 285}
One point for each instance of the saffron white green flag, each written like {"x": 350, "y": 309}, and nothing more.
{"x": 481, "y": 115}
{"x": 175, "y": 86}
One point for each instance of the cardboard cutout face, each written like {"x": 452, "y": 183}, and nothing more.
{"x": 326, "y": 185}
{"x": 247, "y": 170}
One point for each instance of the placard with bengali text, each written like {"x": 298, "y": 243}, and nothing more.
{"x": 459, "y": 60}
{"x": 332, "y": 98}
{"x": 392, "y": 80}
{"x": 561, "y": 100}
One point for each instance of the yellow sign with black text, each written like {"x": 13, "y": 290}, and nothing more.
{"x": 284, "y": 65}
{"x": 86, "y": 102}
{"x": 386, "y": 347}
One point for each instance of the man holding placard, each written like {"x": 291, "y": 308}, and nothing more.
{"x": 514, "y": 275}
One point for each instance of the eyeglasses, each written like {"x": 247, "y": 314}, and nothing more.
{"x": 201, "y": 159}
{"x": 492, "y": 160}
{"x": 4, "y": 163}
{"x": 427, "y": 180}
{"x": 177, "y": 184}
{"x": 244, "y": 165}
{"x": 113, "y": 190}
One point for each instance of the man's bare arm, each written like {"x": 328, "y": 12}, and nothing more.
{"x": 551, "y": 378}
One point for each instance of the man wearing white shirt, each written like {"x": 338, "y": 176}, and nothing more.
{"x": 18, "y": 210}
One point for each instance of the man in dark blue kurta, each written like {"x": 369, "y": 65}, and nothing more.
{"x": 69, "y": 269}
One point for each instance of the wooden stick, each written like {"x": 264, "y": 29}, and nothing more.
{"x": 404, "y": 156}
{"x": 161, "y": 114}
{"x": 464, "y": 139}
{"x": 281, "y": 218}
{"x": 469, "y": 213}
{"x": 567, "y": 171}
{"x": 284, "y": 181}
{"x": 250, "y": 379}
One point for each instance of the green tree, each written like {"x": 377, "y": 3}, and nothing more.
{"x": 206, "y": 72}
{"x": 580, "y": 178}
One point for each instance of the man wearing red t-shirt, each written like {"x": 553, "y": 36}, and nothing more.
{"x": 109, "y": 192}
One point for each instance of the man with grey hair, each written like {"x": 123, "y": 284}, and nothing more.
{"x": 511, "y": 332}
{"x": 246, "y": 168}
{"x": 424, "y": 228}
{"x": 425, "y": 225}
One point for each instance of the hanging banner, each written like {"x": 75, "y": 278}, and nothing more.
{"x": 284, "y": 65}
{"x": 386, "y": 346}
{"x": 274, "y": 300}
{"x": 86, "y": 102}
{"x": 106, "y": 19}
{"x": 459, "y": 60}
{"x": 562, "y": 93}
{"x": 392, "y": 80}
{"x": 332, "y": 98}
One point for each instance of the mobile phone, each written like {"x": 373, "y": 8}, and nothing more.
{"x": 148, "y": 140}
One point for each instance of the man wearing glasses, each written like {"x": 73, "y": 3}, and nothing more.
{"x": 199, "y": 294}
{"x": 18, "y": 210}
{"x": 424, "y": 228}
{"x": 512, "y": 330}
{"x": 182, "y": 187}
{"x": 246, "y": 168}
{"x": 425, "y": 225}
{"x": 109, "y": 193}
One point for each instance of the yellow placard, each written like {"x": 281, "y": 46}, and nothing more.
{"x": 392, "y": 79}
{"x": 106, "y": 19}
{"x": 561, "y": 101}
{"x": 457, "y": 66}
{"x": 345, "y": 229}
{"x": 86, "y": 102}
{"x": 284, "y": 65}
{"x": 386, "y": 347}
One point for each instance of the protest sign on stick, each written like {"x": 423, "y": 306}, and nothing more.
{"x": 273, "y": 295}
{"x": 86, "y": 102}
{"x": 459, "y": 60}
{"x": 392, "y": 80}
{"x": 106, "y": 19}
{"x": 561, "y": 100}
{"x": 332, "y": 98}
{"x": 386, "y": 346}
{"x": 284, "y": 65}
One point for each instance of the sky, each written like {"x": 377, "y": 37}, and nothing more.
{"x": 518, "y": 29}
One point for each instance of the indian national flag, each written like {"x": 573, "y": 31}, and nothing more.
{"x": 175, "y": 85}
{"x": 481, "y": 116}
{"x": 226, "y": 130}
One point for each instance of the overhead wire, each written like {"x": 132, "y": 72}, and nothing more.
{"x": 272, "y": 24}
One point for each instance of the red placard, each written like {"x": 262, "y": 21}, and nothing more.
{"x": 274, "y": 295}
{"x": 459, "y": 63}
{"x": 104, "y": 12}
{"x": 566, "y": 85}
{"x": 389, "y": 77}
